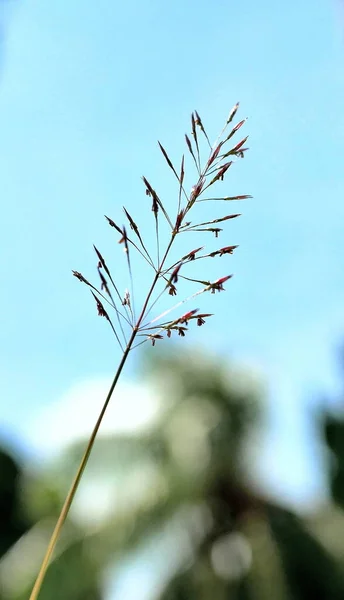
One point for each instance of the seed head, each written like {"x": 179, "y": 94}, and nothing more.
{"x": 154, "y": 336}
{"x": 218, "y": 284}
{"x": 101, "y": 310}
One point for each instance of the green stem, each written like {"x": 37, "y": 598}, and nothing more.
{"x": 76, "y": 481}
{"x": 70, "y": 496}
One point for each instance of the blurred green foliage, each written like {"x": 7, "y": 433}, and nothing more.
{"x": 13, "y": 523}
{"x": 183, "y": 486}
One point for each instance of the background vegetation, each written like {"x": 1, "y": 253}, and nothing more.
{"x": 184, "y": 497}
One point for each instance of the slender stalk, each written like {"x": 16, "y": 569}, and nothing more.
{"x": 77, "y": 478}
{"x": 72, "y": 491}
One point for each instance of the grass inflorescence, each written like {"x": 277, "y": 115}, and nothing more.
{"x": 118, "y": 308}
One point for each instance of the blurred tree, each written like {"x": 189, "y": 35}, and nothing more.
{"x": 334, "y": 437}
{"x": 184, "y": 487}
{"x": 73, "y": 575}
{"x": 13, "y": 523}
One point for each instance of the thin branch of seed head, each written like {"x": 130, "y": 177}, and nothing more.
{"x": 155, "y": 210}
{"x": 228, "y": 121}
{"x": 220, "y": 252}
{"x": 176, "y": 324}
{"x": 217, "y": 145}
{"x": 235, "y": 154}
{"x": 202, "y": 176}
{"x": 136, "y": 230}
{"x": 220, "y": 220}
{"x": 189, "y": 145}
{"x": 149, "y": 261}
{"x": 168, "y": 285}
{"x": 166, "y": 312}
{"x": 151, "y": 192}
{"x": 150, "y": 308}
{"x": 200, "y": 124}
{"x": 139, "y": 344}
{"x": 219, "y": 164}
{"x": 126, "y": 249}
{"x": 162, "y": 325}
{"x": 225, "y": 198}
{"x": 219, "y": 176}
{"x": 180, "y": 177}
{"x": 102, "y": 312}
{"x": 199, "y": 188}
{"x": 216, "y": 231}
{"x": 191, "y": 256}
{"x": 113, "y": 224}
{"x": 181, "y": 187}
{"x": 102, "y": 264}
{"x": 157, "y": 239}
{"x": 194, "y": 133}
{"x": 206, "y": 283}
{"x": 83, "y": 280}
{"x": 115, "y": 332}
{"x": 105, "y": 286}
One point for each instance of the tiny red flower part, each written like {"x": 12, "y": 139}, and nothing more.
{"x": 181, "y": 331}
{"x": 155, "y": 336}
{"x": 238, "y": 126}
{"x": 200, "y": 318}
{"x": 124, "y": 240}
{"x": 79, "y": 276}
{"x": 198, "y": 121}
{"x": 191, "y": 255}
{"x": 223, "y": 279}
{"x": 223, "y": 170}
{"x": 113, "y": 224}
{"x": 232, "y": 113}
{"x": 239, "y": 145}
{"x": 193, "y": 125}
{"x": 169, "y": 333}
{"x": 222, "y": 251}
{"x": 126, "y": 299}
{"x": 149, "y": 188}
{"x": 173, "y": 290}
{"x": 218, "y": 284}
{"x": 196, "y": 190}
{"x": 187, "y": 316}
{"x": 174, "y": 276}
{"x": 155, "y": 204}
{"x": 227, "y": 250}
{"x": 188, "y": 143}
{"x": 103, "y": 285}
{"x": 101, "y": 310}
{"x": 214, "y": 154}
{"x": 179, "y": 220}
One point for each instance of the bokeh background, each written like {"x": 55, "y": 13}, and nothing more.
{"x": 220, "y": 468}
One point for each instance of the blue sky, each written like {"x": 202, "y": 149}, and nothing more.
{"x": 86, "y": 89}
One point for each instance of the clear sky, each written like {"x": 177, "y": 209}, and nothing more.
{"x": 86, "y": 89}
